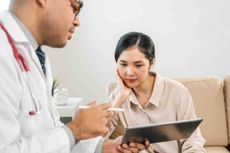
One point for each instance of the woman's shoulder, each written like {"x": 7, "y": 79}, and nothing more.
{"x": 171, "y": 83}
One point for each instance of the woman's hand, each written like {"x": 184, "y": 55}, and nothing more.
{"x": 124, "y": 92}
{"x": 131, "y": 148}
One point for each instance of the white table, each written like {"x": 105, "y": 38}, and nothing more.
{"x": 69, "y": 109}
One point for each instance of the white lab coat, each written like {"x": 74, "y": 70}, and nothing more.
{"x": 19, "y": 131}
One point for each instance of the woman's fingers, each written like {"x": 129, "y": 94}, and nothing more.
{"x": 137, "y": 145}
{"x": 119, "y": 78}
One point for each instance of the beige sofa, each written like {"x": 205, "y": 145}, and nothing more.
{"x": 211, "y": 96}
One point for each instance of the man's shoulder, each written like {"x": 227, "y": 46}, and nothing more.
{"x": 4, "y": 15}
{"x": 12, "y": 27}
{"x": 4, "y": 45}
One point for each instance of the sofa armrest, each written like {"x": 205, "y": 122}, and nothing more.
{"x": 227, "y": 102}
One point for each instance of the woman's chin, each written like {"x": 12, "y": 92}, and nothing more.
{"x": 130, "y": 85}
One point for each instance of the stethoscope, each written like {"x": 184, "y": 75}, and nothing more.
{"x": 25, "y": 68}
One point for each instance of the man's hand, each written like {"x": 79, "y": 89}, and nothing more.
{"x": 91, "y": 122}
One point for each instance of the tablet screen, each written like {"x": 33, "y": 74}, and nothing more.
{"x": 167, "y": 131}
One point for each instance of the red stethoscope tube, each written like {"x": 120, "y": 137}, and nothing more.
{"x": 21, "y": 61}
{"x": 25, "y": 68}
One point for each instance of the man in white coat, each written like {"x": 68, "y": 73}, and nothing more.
{"x": 28, "y": 119}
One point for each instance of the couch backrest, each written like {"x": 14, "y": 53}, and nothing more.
{"x": 208, "y": 97}
{"x": 207, "y": 94}
{"x": 227, "y": 102}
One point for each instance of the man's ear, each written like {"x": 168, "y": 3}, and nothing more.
{"x": 42, "y": 3}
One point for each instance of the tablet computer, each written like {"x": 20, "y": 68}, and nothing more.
{"x": 161, "y": 132}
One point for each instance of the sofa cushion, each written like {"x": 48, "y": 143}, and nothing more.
{"x": 216, "y": 150}
{"x": 207, "y": 94}
{"x": 227, "y": 102}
